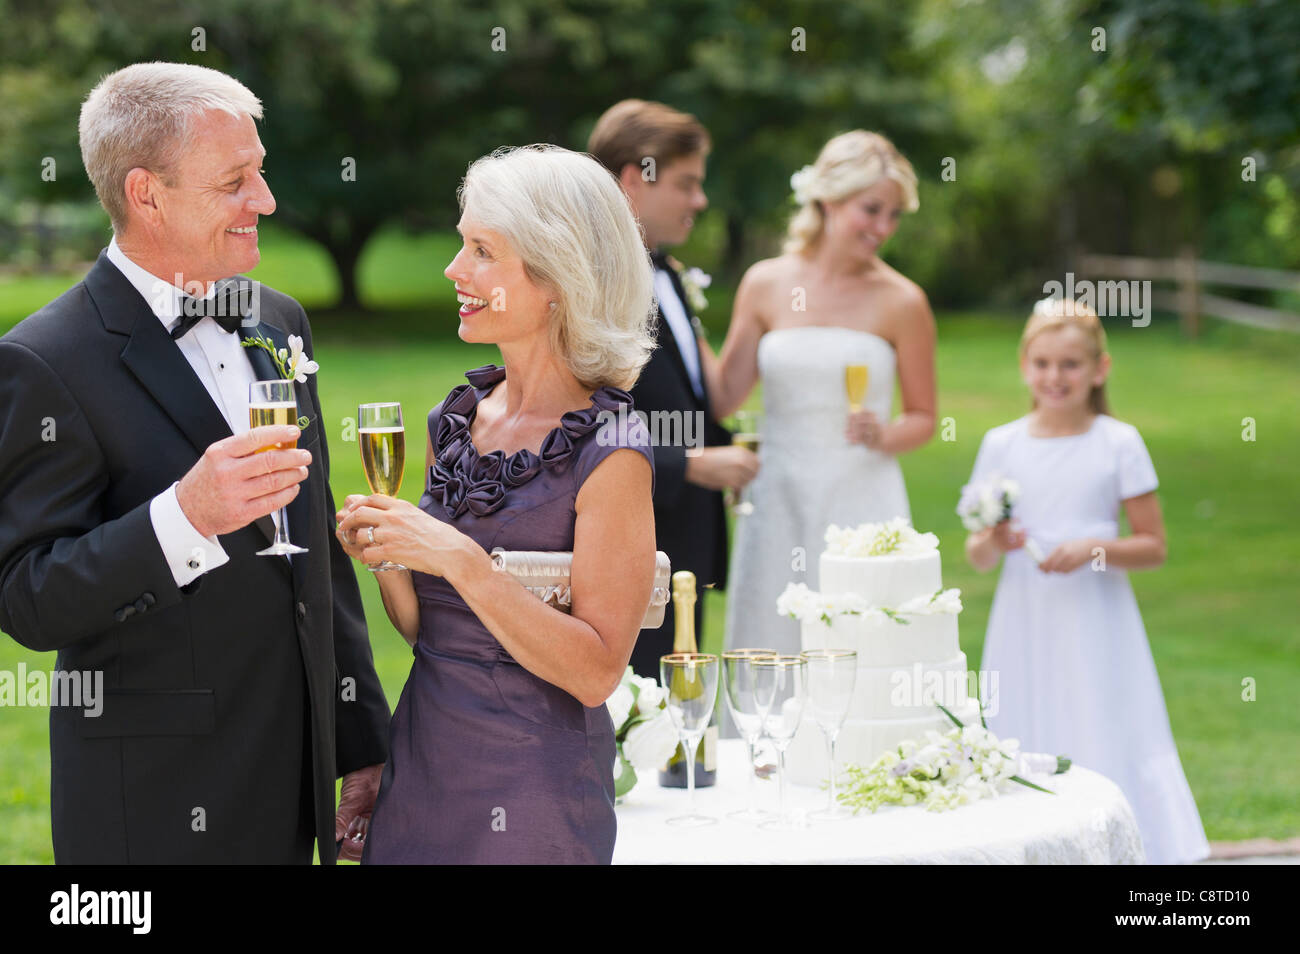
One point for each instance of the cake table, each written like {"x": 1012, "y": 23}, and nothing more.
{"x": 1087, "y": 821}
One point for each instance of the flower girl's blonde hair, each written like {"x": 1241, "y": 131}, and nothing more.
{"x": 1052, "y": 314}
{"x": 849, "y": 163}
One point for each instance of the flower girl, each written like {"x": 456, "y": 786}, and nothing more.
{"x": 1074, "y": 667}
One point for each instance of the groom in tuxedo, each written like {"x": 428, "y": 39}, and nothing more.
{"x": 658, "y": 154}
{"x": 133, "y": 500}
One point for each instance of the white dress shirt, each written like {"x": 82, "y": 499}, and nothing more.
{"x": 671, "y": 308}
{"x": 218, "y": 359}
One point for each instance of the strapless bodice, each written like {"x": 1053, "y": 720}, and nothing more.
{"x": 802, "y": 369}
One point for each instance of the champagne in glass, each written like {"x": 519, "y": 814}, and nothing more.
{"x": 782, "y": 691}
{"x": 831, "y": 677}
{"x": 273, "y": 402}
{"x": 856, "y": 377}
{"x": 691, "y": 681}
{"x": 382, "y": 437}
{"x": 274, "y": 413}
{"x": 740, "y": 691}
{"x": 747, "y": 436}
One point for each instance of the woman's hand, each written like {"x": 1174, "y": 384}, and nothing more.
{"x": 864, "y": 428}
{"x": 378, "y": 527}
{"x": 1068, "y": 557}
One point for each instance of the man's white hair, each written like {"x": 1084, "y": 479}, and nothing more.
{"x": 141, "y": 116}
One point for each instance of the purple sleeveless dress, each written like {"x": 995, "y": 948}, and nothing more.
{"x": 489, "y": 763}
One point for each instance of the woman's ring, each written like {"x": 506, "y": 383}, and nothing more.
{"x": 370, "y": 532}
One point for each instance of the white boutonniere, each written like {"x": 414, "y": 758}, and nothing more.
{"x": 292, "y": 363}
{"x": 694, "y": 281}
{"x": 297, "y": 365}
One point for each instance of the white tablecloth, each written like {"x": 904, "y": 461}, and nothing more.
{"x": 1087, "y": 821}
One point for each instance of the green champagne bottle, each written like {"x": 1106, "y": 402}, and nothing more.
{"x": 673, "y": 775}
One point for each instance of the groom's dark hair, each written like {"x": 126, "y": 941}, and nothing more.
{"x": 631, "y": 131}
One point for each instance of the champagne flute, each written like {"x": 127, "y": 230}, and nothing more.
{"x": 747, "y": 436}
{"x": 691, "y": 681}
{"x": 273, "y": 402}
{"x": 782, "y": 690}
{"x": 383, "y": 454}
{"x": 831, "y": 676}
{"x": 740, "y": 693}
{"x": 856, "y": 377}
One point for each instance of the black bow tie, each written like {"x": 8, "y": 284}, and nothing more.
{"x": 228, "y": 308}
{"x": 659, "y": 259}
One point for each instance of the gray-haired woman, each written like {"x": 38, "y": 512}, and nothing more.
{"x": 502, "y": 749}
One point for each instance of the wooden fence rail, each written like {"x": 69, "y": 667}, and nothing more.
{"x": 1188, "y": 274}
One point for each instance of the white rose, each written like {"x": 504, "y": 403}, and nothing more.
{"x": 650, "y": 744}
{"x": 620, "y": 705}
{"x": 792, "y": 599}
{"x": 1010, "y": 489}
{"x": 949, "y": 601}
{"x": 917, "y": 604}
{"x": 990, "y": 509}
{"x": 651, "y": 696}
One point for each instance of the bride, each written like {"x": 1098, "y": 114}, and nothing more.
{"x": 799, "y": 319}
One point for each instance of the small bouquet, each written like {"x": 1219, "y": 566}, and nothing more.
{"x": 643, "y": 729}
{"x": 989, "y": 503}
{"x": 961, "y": 766}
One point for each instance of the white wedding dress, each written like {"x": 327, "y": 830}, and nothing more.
{"x": 1069, "y": 652}
{"x": 810, "y": 476}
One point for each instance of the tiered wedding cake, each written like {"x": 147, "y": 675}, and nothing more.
{"x": 881, "y": 595}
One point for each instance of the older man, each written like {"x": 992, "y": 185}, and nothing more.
{"x": 134, "y": 499}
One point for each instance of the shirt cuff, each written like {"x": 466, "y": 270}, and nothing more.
{"x": 189, "y": 554}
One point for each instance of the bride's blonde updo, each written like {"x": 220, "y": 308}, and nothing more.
{"x": 849, "y": 163}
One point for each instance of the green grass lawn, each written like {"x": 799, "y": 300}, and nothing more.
{"x": 1222, "y": 610}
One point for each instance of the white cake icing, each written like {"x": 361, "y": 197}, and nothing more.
{"x": 907, "y": 661}
{"x": 882, "y": 580}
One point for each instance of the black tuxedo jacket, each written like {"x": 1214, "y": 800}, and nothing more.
{"x": 229, "y": 707}
{"x": 690, "y": 525}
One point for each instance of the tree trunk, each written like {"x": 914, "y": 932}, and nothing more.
{"x": 734, "y": 258}
{"x": 345, "y": 247}
{"x": 345, "y": 258}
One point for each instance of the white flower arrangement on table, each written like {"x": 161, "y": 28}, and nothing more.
{"x": 292, "y": 363}
{"x": 643, "y": 729}
{"x": 808, "y": 606}
{"x": 893, "y": 537}
{"x": 955, "y": 768}
{"x": 988, "y": 503}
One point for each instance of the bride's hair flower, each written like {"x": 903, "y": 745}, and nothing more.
{"x": 801, "y": 183}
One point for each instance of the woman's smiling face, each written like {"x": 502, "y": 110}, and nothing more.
{"x": 1060, "y": 369}
{"x": 863, "y": 222}
{"x": 498, "y": 301}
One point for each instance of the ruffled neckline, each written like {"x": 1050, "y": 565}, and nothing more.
{"x": 462, "y": 479}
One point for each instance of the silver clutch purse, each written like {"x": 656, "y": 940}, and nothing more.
{"x": 546, "y": 574}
